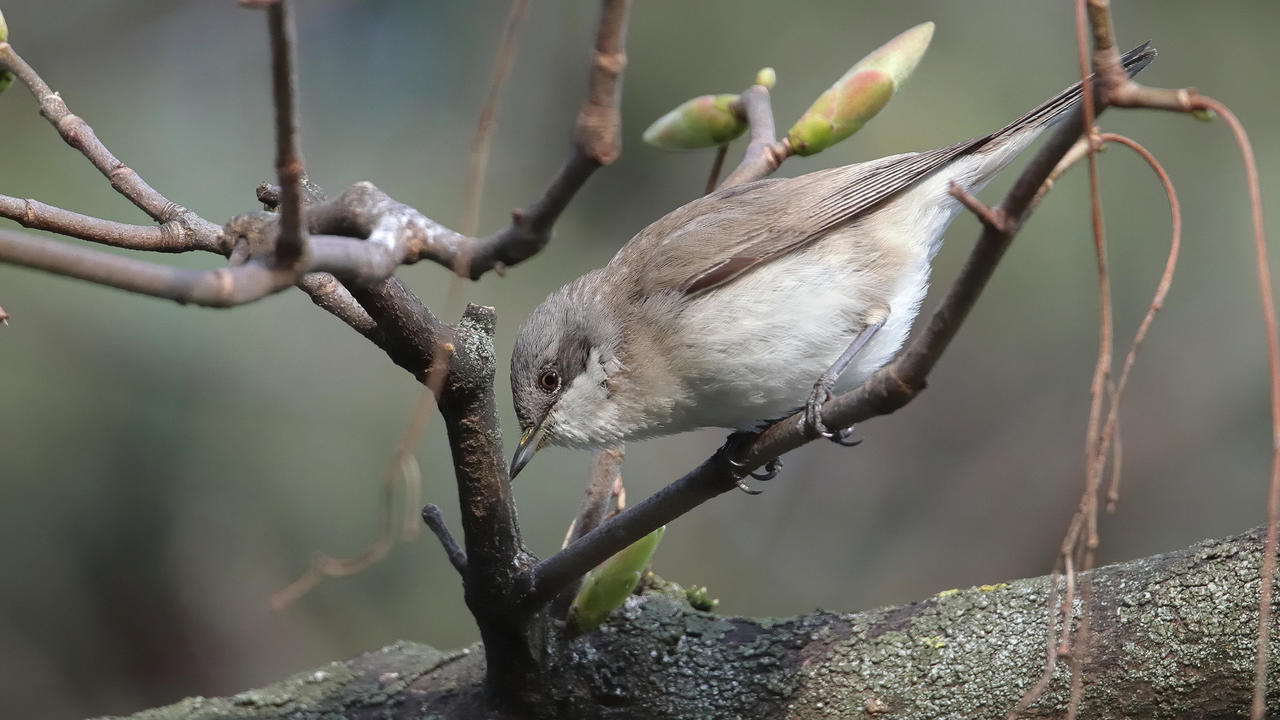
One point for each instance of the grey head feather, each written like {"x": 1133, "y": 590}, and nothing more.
{"x": 559, "y": 337}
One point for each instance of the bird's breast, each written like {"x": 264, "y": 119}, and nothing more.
{"x": 751, "y": 350}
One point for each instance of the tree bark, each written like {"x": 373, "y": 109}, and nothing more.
{"x": 1171, "y": 636}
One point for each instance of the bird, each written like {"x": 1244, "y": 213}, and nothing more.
{"x": 753, "y": 302}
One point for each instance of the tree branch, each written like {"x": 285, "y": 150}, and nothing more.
{"x": 1171, "y": 637}
{"x": 77, "y": 133}
{"x": 483, "y": 136}
{"x": 172, "y": 236}
{"x": 496, "y": 557}
{"x": 331, "y": 296}
{"x": 602, "y": 494}
{"x": 597, "y": 142}
{"x": 223, "y": 287}
{"x": 434, "y": 520}
{"x": 408, "y": 332}
{"x": 764, "y": 152}
{"x": 291, "y": 244}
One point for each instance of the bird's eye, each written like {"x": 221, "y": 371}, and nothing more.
{"x": 549, "y": 381}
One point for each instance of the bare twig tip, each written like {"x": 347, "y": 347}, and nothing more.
{"x": 993, "y": 218}
{"x": 434, "y": 519}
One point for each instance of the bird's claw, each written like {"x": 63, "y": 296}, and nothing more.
{"x": 739, "y": 467}
{"x": 769, "y": 471}
{"x": 844, "y": 437}
{"x": 811, "y": 424}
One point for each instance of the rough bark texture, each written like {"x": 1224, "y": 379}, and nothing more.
{"x": 1172, "y": 637}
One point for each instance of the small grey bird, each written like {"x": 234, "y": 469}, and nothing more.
{"x": 726, "y": 311}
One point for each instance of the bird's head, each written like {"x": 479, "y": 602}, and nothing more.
{"x": 564, "y": 358}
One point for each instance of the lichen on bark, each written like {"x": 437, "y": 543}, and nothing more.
{"x": 1171, "y": 636}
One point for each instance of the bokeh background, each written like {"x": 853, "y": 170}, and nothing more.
{"x": 164, "y": 469}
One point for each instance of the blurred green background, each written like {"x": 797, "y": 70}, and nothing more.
{"x": 164, "y": 469}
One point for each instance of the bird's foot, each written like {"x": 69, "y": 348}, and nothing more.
{"x": 811, "y": 423}
{"x": 732, "y": 453}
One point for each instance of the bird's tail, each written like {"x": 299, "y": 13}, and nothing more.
{"x": 1052, "y": 110}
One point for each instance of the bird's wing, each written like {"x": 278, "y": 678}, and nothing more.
{"x": 714, "y": 239}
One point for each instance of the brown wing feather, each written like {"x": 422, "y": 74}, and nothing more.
{"x": 716, "y": 238}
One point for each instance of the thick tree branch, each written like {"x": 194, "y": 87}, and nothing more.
{"x": 408, "y": 332}
{"x": 496, "y": 557}
{"x": 1171, "y": 637}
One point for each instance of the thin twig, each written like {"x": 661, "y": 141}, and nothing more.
{"x": 602, "y": 494}
{"x": 291, "y": 244}
{"x": 1037, "y": 689}
{"x": 426, "y": 329}
{"x": 403, "y": 471}
{"x": 333, "y": 297}
{"x": 1117, "y": 456}
{"x": 1258, "y": 709}
{"x": 477, "y": 167}
{"x": 764, "y": 151}
{"x": 1078, "y": 646}
{"x": 991, "y": 217}
{"x": 597, "y": 142}
{"x": 173, "y": 236}
{"x": 223, "y": 287}
{"x": 482, "y": 138}
{"x": 434, "y": 520}
{"x": 1110, "y": 429}
{"x": 77, "y": 133}
{"x": 1073, "y": 156}
{"x": 716, "y": 166}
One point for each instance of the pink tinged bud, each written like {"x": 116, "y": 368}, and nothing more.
{"x": 841, "y": 111}
{"x": 608, "y": 586}
{"x": 705, "y": 121}
{"x": 861, "y": 93}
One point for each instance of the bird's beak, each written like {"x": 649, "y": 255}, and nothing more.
{"x": 530, "y": 441}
